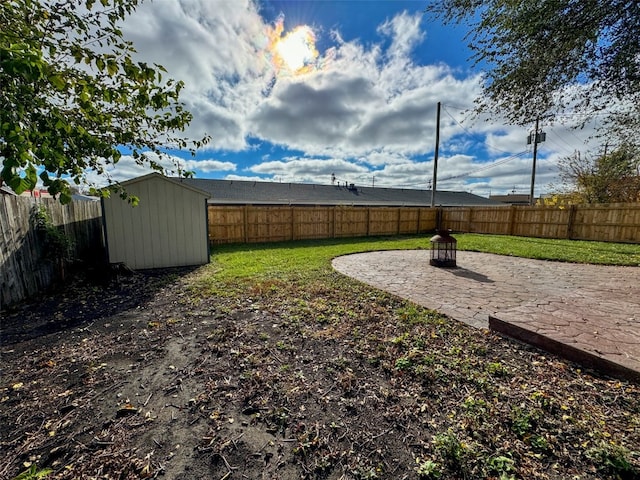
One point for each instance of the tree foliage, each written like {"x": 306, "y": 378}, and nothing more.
{"x": 609, "y": 178}
{"x": 72, "y": 95}
{"x": 544, "y": 56}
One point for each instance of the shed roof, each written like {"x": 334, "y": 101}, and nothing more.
{"x": 176, "y": 181}
{"x": 6, "y": 190}
{"x": 271, "y": 193}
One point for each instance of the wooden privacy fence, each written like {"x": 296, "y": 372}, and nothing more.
{"x": 251, "y": 224}
{"x": 606, "y": 223}
{"x": 26, "y": 267}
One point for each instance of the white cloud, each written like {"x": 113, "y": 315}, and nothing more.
{"x": 506, "y": 140}
{"x": 405, "y": 34}
{"x": 127, "y": 168}
{"x": 209, "y": 165}
{"x": 310, "y": 170}
{"x": 360, "y": 100}
{"x": 217, "y": 49}
{"x": 368, "y": 110}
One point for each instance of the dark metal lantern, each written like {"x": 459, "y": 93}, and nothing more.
{"x": 443, "y": 250}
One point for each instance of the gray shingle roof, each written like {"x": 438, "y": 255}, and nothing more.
{"x": 5, "y": 190}
{"x": 270, "y": 193}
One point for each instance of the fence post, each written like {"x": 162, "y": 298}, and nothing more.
{"x": 512, "y": 219}
{"x": 572, "y": 219}
{"x": 245, "y": 217}
{"x": 368, "y": 220}
{"x": 293, "y": 223}
{"x": 333, "y": 223}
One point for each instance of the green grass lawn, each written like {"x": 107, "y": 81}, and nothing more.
{"x": 303, "y": 258}
{"x": 600, "y": 253}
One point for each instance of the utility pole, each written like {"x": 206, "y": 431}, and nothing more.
{"x": 435, "y": 159}
{"x": 536, "y": 138}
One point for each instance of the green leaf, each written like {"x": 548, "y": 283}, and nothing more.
{"x": 17, "y": 184}
{"x": 84, "y": 95}
{"x": 65, "y": 197}
{"x": 31, "y": 178}
{"x": 57, "y": 82}
{"x": 112, "y": 67}
{"x": 33, "y": 473}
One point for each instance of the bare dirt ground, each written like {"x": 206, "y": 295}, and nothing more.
{"x": 150, "y": 378}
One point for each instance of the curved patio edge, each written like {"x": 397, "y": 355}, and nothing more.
{"x": 588, "y": 314}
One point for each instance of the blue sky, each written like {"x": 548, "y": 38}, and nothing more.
{"x": 353, "y": 94}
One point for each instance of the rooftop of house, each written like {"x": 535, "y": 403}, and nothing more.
{"x": 240, "y": 192}
{"x": 512, "y": 198}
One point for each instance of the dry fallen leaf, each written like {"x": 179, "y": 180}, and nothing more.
{"x": 126, "y": 409}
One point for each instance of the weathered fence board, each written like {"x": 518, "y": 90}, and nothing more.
{"x": 25, "y": 267}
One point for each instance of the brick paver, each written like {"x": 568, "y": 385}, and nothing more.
{"x": 586, "y": 313}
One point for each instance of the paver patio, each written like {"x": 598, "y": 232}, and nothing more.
{"x": 586, "y": 313}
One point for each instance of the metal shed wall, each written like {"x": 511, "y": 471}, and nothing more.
{"x": 168, "y": 228}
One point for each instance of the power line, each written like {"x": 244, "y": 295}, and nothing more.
{"x": 559, "y": 137}
{"x": 457, "y": 107}
{"x": 487, "y": 167}
{"x": 457, "y": 122}
{"x": 469, "y": 132}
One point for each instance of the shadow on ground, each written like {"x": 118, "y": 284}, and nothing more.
{"x": 470, "y": 274}
{"x": 82, "y": 301}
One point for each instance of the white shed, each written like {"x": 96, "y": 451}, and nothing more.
{"x": 168, "y": 228}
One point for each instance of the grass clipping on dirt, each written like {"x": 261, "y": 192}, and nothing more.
{"x": 286, "y": 369}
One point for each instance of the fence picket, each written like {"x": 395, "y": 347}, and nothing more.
{"x": 238, "y": 224}
{"x": 24, "y": 270}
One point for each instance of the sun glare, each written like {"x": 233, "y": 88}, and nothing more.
{"x": 297, "y": 48}
{"x": 296, "y": 51}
